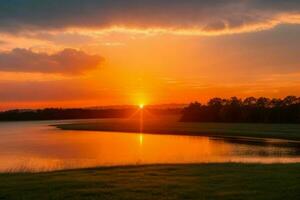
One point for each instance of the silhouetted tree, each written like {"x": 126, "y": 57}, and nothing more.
{"x": 250, "y": 110}
{"x": 57, "y": 114}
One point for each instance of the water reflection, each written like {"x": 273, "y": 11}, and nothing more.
{"x": 141, "y": 138}
{"x": 35, "y": 146}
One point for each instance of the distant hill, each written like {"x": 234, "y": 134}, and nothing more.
{"x": 80, "y": 113}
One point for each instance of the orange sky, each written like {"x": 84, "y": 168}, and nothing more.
{"x": 150, "y": 60}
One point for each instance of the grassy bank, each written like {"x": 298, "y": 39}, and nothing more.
{"x": 206, "y": 181}
{"x": 167, "y": 125}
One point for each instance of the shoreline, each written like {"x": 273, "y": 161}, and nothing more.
{"x": 153, "y": 165}
{"x": 216, "y": 130}
{"x": 276, "y": 141}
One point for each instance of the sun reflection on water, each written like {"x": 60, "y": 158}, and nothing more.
{"x": 141, "y": 139}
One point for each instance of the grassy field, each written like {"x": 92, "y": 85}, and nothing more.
{"x": 206, "y": 181}
{"x": 167, "y": 125}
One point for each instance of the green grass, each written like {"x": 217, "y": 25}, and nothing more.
{"x": 205, "y": 181}
{"x": 173, "y": 126}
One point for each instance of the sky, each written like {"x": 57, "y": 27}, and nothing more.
{"x": 81, "y": 53}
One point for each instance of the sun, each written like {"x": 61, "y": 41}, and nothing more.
{"x": 141, "y": 106}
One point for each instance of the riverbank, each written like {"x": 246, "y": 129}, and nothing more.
{"x": 172, "y": 126}
{"x": 203, "y": 181}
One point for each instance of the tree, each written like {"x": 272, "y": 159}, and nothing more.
{"x": 261, "y": 110}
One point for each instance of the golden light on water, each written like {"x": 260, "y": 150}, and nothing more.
{"x": 70, "y": 149}
{"x": 141, "y": 139}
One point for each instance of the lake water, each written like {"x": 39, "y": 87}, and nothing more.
{"x": 36, "y": 146}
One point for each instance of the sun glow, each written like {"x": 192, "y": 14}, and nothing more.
{"x": 141, "y": 106}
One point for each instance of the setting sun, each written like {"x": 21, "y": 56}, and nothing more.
{"x": 141, "y": 106}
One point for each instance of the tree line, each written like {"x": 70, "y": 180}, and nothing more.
{"x": 59, "y": 114}
{"x": 80, "y": 113}
{"x": 248, "y": 110}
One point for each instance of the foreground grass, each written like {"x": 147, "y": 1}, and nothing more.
{"x": 173, "y": 126}
{"x": 206, "y": 181}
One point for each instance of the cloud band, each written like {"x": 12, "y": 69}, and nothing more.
{"x": 186, "y": 17}
{"x": 68, "y": 61}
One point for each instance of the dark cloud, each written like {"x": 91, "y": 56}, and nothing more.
{"x": 205, "y": 15}
{"x": 68, "y": 61}
{"x": 286, "y": 5}
{"x": 62, "y": 38}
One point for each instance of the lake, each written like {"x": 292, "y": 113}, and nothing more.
{"x": 36, "y": 146}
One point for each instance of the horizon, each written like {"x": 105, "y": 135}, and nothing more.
{"x": 162, "y": 106}
{"x": 155, "y": 106}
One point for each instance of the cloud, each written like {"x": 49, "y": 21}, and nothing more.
{"x": 63, "y": 38}
{"x": 204, "y": 17}
{"x": 44, "y": 90}
{"x": 67, "y": 61}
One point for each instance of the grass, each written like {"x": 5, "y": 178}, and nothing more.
{"x": 166, "y": 125}
{"x": 205, "y": 181}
